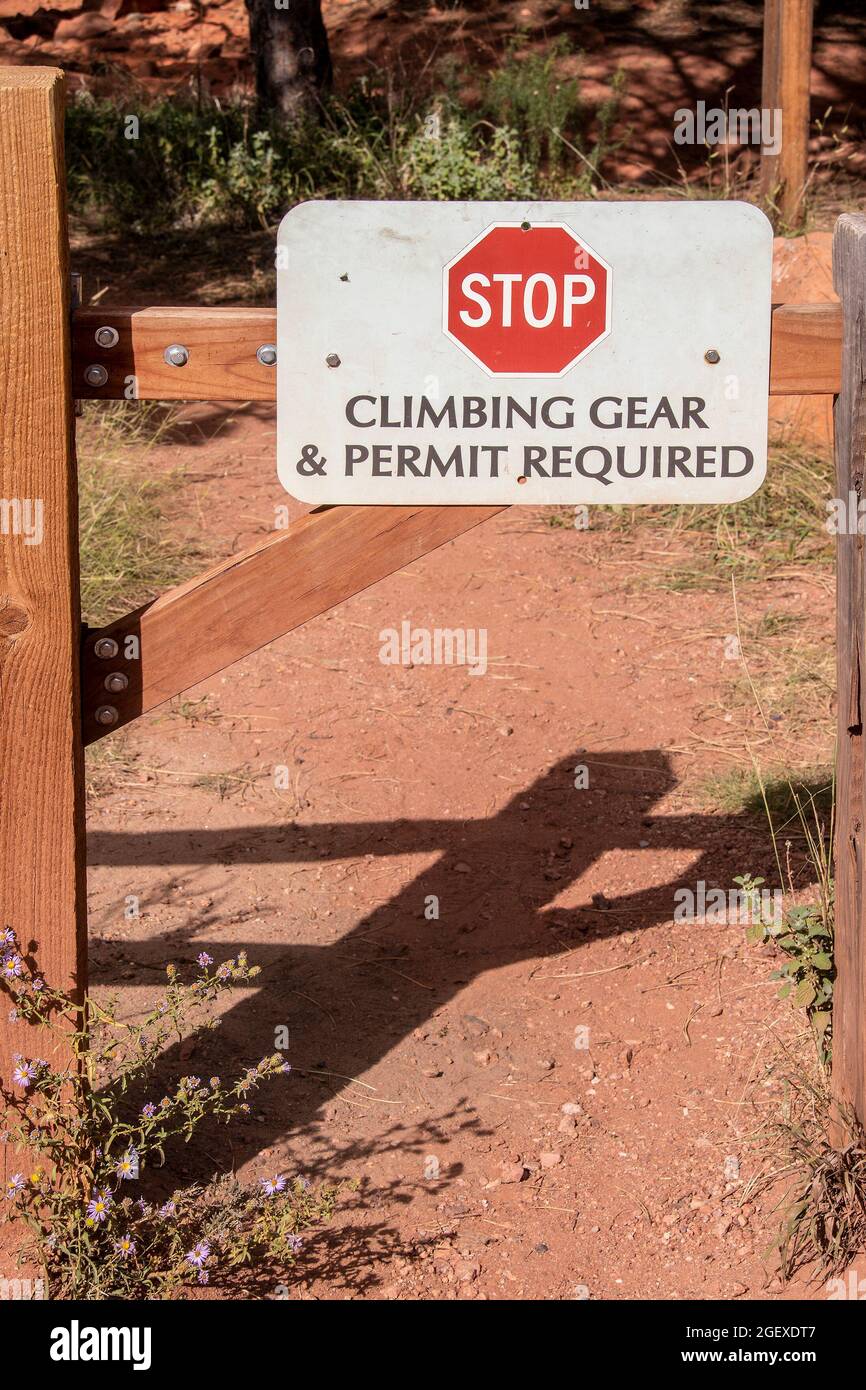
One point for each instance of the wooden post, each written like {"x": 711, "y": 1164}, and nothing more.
{"x": 41, "y": 784}
{"x": 849, "y": 1004}
{"x": 787, "y": 69}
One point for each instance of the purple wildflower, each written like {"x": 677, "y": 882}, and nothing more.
{"x": 127, "y": 1168}
{"x": 12, "y": 966}
{"x": 23, "y": 1074}
{"x": 204, "y": 960}
{"x": 198, "y": 1254}
{"x": 295, "y": 1244}
{"x": 168, "y": 1209}
{"x": 203, "y": 1277}
{"x": 14, "y": 1185}
{"x": 148, "y": 1110}
{"x": 100, "y": 1205}
{"x": 125, "y": 1246}
{"x": 271, "y": 1186}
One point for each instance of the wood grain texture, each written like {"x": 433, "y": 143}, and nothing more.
{"x": 222, "y": 345}
{"x": 787, "y": 69}
{"x": 41, "y": 799}
{"x": 251, "y": 598}
{"x": 806, "y": 350}
{"x": 849, "y": 1006}
{"x": 805, "y": 355}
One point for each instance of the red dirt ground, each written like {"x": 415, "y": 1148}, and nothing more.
{"x": 436, "y": 1060}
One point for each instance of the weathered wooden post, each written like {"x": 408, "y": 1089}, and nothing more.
{"x": 849, "y": 1007}
{"x": 41, "y": 789}
{"x": 787, "y": 67}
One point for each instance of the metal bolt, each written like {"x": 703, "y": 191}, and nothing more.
{"x": 106, "y": 647}
{"x": 332, "y": 359}
{"x": 712, "y": 356}
{"x": 107, "y": 337}
{"x": 116, "y": 681}
{"x": 95, "y": 375}
{"x": 106, "y": 714}
{"x": 176, "y": 355}
{"x": 267, "y": 355}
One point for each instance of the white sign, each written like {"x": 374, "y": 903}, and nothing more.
{"x": 479, "y": 353}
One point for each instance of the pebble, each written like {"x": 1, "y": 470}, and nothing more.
{"x": 512, "y": 1172}
{"x": 549, "y": 1159}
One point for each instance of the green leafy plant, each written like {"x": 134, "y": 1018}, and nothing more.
{"x": 89, "y": 1143}
{"x": 807, "y": 976}
{"x": 527, "y": 94}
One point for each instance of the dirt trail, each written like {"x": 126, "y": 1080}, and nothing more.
{"x": 550, "y": 1087}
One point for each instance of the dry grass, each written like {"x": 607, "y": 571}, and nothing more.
{"x": 130, "y": 551}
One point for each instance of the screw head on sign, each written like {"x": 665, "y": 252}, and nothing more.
{"x": 267, "y": 355}
{"x": 106, "y": 714}
{"x": 116, "y": 681}
{"x": 107, "y": 337}
{"x": 332, "y": 359}
{"x": 106, "y": 647}
{"x": 95, "y": 375}
{"x": 712, "y": 355}
{"x": 176, "y": 355}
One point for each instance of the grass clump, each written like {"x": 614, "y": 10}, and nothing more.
{"x": 742, "y": 790}
{"x": 90, "y": 1136}
{"x": 782, "y": 526}
{"x": 824, "y": 1207}
{"x": 128, "y": 552}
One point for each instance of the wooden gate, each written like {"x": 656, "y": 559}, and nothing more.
{"x": 62, "y": 687}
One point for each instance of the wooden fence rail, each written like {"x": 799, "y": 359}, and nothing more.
{"x": 222, "y": 344}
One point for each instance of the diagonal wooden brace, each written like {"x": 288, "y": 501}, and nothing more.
{"x": 251, "y": 598}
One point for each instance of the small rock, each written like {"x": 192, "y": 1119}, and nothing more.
{"x": 462, "y": 868}
{"x": 513, "y": 1172}
{"x": 549, "y": 1160}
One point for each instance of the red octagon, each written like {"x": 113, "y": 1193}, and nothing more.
{"x": 527, "y": 300}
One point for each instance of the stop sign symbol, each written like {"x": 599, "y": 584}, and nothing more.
{"x": 525, "y": 300}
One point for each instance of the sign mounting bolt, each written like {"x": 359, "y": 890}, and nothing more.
{"x": 95, "y": 375}
{"x": 176, "y": 355}
{"x": 332, "y": 359}
{"x": 107, "y": 337}
{"x": 106, "y": 714}
{"x": 106, "y": 647}
{"x": 267, "y": 355}
{"x": 712, "y": 355}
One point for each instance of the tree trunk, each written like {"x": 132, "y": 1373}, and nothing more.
{"x": 289, "y": 46}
